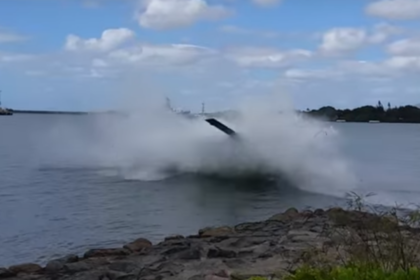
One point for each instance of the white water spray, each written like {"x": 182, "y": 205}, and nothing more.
{"x": 151, "y": 142}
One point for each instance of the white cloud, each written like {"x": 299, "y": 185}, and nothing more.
{"x": 108, "y": 59}
{"x": 172, "y": 14}
{"x": 231, "y": 29}
{"x": 266, "y": 57}
{"x": 35, "y": 73}
{"x": 344, "y": 40}
{"x": 91, "y": 3}
{"x": 355, "y": 82}
{"x": 303, "y": 74}
{"x": 110, "y": 39}
{"x": 267, "y": 3}
{"x": 97, "y": 62}
{"x": 166, "y": 55}
{"x": 383, "y": 31}
{"x": 405, "y": 47}
{"x": 395, "y": 9}
{"x": 10, "y": 37}
{"x": 235, "y": 30}
{"x": 407, "y": 63}
{"x": 390, "y": 71}
{"x": 119, "y": 61}
{"x": 15, "y": 57}
{"x": 366, "y": 69}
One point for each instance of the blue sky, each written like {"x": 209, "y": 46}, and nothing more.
{"x": 94, "y": 54}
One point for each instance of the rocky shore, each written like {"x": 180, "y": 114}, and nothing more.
{"x": 270, "y": 248}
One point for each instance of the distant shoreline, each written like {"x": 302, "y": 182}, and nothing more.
{"x": 50, "y": 112}
{"x": 365, "y": 114}
{"x": 43, "y": 112}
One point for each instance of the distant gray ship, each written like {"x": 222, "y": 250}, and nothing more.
{"x": 5, "y": 111}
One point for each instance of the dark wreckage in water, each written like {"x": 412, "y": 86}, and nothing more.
{"x": 211, "y": 120}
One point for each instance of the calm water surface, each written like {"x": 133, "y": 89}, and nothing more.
{"x": 48, "y": 211}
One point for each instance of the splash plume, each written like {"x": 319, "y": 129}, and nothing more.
{"x": 150, "y": 142}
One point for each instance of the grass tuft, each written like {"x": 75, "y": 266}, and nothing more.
{"x": 358, "y": 272}
{"x": 372, "y": 243}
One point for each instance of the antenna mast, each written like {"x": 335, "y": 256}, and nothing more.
{"x": 168, "y": 104}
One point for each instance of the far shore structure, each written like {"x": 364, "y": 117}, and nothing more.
{"x": 364, "y": 114}
{"x": 4, "y": 111}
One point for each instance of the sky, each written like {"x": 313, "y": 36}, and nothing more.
{"x": 91, "y": 54}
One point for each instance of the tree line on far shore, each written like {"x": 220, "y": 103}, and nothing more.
{"x": 402, "y": 114}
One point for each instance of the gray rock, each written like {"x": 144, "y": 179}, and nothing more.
{"x": 258, "y": 248}
{"x": 152, "y": 277}
{"x": 69, "y": 259}
{"x": 96, "y": 253}
{"x": 124, "y": 266}
{"x": 221, "y": 253}
{"x": 25, "y": 268}
{"x": 5, "y": 273}
{"x": 234, "y": 263}
{"x": 216, "y": 231}
{"x": 197, "y": 277}
{"x": 215, "y": 277}
{"x": 288, "y": 215}
{"x": 116, "y": 275}
{"x": 175, "y": 249}
{"x": 307, "y": 213}
{"x": 174, "y": 237}
{"x": 190, "y": 254}
{"x": 222, "y": 273}
{"x": 85, "y": 265}
{"x": 319, "y": 212}
{"x": 86, "y": 275}
{"x": 138, "y": 245}
{"x": 127, "y": 277}
{"x": 56, "y": 265}
{"x": 317, "y": 229}
{"x": 245, "y": 242}
{"x": 77, "y": 267}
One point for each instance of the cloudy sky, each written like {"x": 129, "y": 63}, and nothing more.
{"x": 86, "y": 54}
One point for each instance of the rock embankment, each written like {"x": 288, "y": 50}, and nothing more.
{"x": 269, "y": 248}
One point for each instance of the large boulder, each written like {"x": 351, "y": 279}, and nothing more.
{"x": 216, "y": 231}
{"x": 138, "y": 245}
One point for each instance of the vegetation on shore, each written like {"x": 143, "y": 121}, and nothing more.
{"x": 402, "y": 114}
{"x": 384, "y": 248}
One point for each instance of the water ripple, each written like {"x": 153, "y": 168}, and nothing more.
{"x": 48, "y": 210}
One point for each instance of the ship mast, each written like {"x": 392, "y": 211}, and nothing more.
{"x": 168, "y": 104}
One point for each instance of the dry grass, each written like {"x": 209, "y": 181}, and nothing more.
{"x": 367, "y": 242}
{"x": 380, "y": 238}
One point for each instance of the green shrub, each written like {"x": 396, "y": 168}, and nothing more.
{"x": 353, "y": 273}
{"x": 371, "y": 243}
{"x": 257, "y": 278}
{"x": 384, "y": 241}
